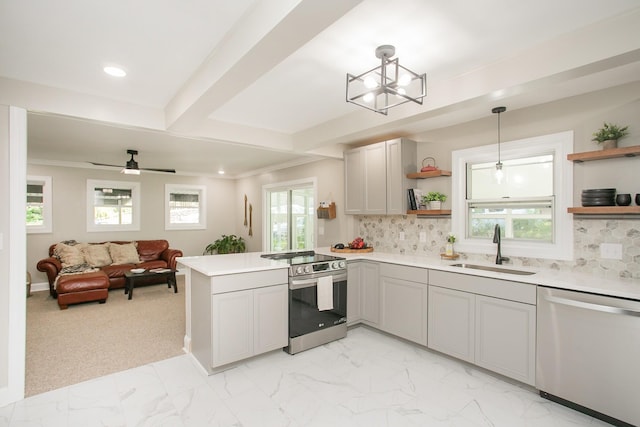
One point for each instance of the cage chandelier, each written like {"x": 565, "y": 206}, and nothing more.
{"x": 387, "y": 85}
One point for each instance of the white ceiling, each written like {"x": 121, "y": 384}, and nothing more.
{"x": 248, "y": 85}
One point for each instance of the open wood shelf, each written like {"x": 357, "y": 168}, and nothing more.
{"x": 605, "y": 210}
{"x": 433, "y": 212}
{"x": 430, "y": 174}
{"x": 605, "y": 154}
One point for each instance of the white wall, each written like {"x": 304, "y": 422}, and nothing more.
{"x": 69, "y": 211}
{"x": 582, "y": 114}
{"x": 330, "y": 177}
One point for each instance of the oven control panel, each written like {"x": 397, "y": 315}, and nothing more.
{"x": 317, "y": 267}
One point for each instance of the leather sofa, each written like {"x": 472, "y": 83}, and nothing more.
{"x": 151, "y": 254}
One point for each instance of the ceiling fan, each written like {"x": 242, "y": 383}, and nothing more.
{"x": 132, "y": 166}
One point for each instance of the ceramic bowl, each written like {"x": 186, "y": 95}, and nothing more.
{"x": 623, "y": 199}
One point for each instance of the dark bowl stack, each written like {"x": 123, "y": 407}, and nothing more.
{"x": 599, "y": 197}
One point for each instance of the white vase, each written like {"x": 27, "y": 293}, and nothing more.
{"x": 435, "y": 205}
{"x": 609, "y": 144}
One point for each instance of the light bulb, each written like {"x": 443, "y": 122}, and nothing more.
{"x": 404, "y": 80}
{"x": 370, "y": 82}
{"x": 368, "y": 97}
{"x": 499, "y": 174}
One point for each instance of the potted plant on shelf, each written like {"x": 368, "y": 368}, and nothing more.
{"x": 609, "y": 134}
{"x": 230, "y": 244}
{"x": 435, "y": 199}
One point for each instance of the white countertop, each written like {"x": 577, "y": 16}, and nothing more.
{"x": 218, "y": 265}
{"x": 624, "y": 288}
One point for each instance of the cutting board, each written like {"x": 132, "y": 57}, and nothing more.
{"x": 351, "y": 251}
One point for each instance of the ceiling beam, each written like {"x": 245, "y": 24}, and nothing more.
{"x": 272, "y": 31}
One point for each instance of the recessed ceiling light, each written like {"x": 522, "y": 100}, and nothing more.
{"x": 115, "y": 71}
{"x": 221, "y": 172}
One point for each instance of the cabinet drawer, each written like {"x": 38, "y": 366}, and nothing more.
{"x": 403, "y": 272}
{"x": 505, "y": 289}
{"x": 251, "y": 280}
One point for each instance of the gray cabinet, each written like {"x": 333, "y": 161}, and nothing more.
{"x": 489, "y": 322}
{"x": 375, "y": 177}
{"x": 451, "y": 322}
{"x": 363, "y": 293}
{"x": 237, "y": 316}
{"x": 404, "y": 301}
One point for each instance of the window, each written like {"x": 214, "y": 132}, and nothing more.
{"x": 290, "y": 216}
{"x": 113, "y": 206}
{"x": 39, "y": 217}
{"x": 185, "y": 207}
{"x": 529, "y": 201}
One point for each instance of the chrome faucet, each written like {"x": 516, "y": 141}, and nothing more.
{"x": 496, "y": 239}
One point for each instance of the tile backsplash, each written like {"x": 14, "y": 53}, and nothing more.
{"x": 383, "y": 232}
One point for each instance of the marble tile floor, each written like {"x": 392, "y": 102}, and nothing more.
{"x": 367, "y": 379}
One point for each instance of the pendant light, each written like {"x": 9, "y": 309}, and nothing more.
{"x": 499, "y": 173}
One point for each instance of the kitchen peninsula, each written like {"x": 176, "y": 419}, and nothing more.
{"x": 236, "y": 307}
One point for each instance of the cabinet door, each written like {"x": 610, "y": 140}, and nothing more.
{"x": 404, "y": 309}
{"x": 271, "y": 318}
{"x": 451, "y": 322}
{"x": 354, "y": 279}
{"x": 401, "y": 160}
{"x": 354, "y": 181}
{"x": 370, "y": 293}
{"x": 232, "y": 327}
{"x": 375, "y": 179}
{"x": 506, "y": 337}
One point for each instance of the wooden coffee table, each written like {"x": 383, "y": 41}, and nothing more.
{"x": 167, "y": 273}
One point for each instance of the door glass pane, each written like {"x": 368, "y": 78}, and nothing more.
{"x": 291, "y": 219}
{"x": 279, "y": 213}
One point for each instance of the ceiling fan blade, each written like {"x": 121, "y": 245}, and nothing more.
{"x": 104, "y": 164}
{"x": 159, "y": 170}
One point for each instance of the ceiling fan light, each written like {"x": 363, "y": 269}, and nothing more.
{"x": 128, "y": 171}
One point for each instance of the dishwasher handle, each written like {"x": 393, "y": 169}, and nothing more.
{"x": 594, "y": 307}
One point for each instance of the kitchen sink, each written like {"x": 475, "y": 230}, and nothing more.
{"x": 495, "y": 269}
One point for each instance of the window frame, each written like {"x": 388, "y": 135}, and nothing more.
{"x": 286, "y": 186}
{"x": 202, "y": 206}
{"x": 136, "y": 207}
{"x": 47, "y": 205}
{"x": 560, "y": 145}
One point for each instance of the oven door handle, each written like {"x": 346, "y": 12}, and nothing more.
{"x": 308, "y": 283}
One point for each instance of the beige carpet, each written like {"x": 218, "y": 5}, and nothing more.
{"x": 89, "y": 340}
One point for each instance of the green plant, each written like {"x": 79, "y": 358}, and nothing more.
{"x": 230, "y": 244}
{"x": 451, "y": 238}
{"x": 434, "y": 196}
{"x": 609, "y": 131}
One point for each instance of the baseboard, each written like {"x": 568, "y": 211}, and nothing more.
{"x": 38, "y": 287}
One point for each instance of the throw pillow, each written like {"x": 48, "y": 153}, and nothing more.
{"x": 97, "y": 255}
{"x": 69, "y": 255}
{"x": 124, "y": 254}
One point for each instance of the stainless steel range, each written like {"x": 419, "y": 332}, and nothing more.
{"x": 317, "y": 298}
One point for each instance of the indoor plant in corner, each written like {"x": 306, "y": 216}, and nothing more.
{"x": 609, "y": 134}
{"x": 435, "y": 199}
{"x": 230, "y": 244}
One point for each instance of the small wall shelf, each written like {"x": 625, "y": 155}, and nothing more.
{"x": 327, "y": 213}
{"x": 430, "y": 174}
{"x": 430, "y": 212}
{"x": 605, "y": 210}
{"x": 604, "y": 154}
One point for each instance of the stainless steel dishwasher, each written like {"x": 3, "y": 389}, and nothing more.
{"x": 589, "y": 354}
